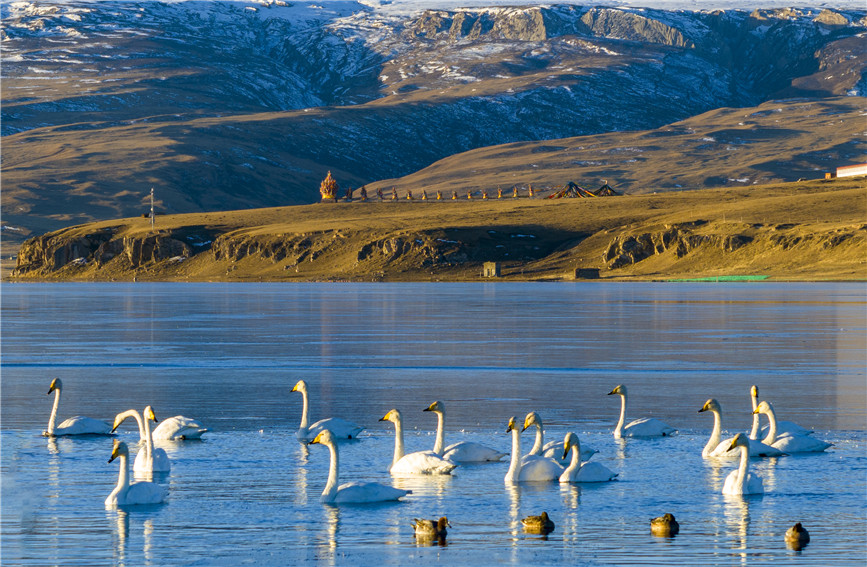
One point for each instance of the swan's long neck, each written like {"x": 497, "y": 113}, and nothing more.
{"x": 618, "y": 429}
{"x": 440, "y": 444}
{"x": 304, "y": 423}
{"x": 772, "y": 429}
{"x": 398, "y": 442}
{"x": 331, "y": 486}
{"x": 135, "y": 415}
{"x": 742, "y": 469}
{"x": 754, "y": 432}
{"x": 123, "y": 474}
{"x": 53, "y": 419}
{"x": 714, "y": 435}
{"x": 540, "y": 441}
{"x": 515, "y": 464}
{"x": 149, "y": 440}
{"x": 575, "y": 464}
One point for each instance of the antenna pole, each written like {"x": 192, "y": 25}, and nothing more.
{"x": 152, "y": 208}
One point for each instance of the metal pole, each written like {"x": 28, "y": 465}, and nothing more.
{"x": 152, "y": 208}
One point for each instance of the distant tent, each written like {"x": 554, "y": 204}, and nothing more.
{"x": 606, "y": 191}
{"x": 571, "y": 190}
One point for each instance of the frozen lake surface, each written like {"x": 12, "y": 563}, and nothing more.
{"x": 248, "y": 493}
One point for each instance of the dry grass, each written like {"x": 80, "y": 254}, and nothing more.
{"x": 797, "y": 231}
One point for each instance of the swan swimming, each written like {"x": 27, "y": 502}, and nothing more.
{"x": 351, "y": 492}
{"x": 178, "y": 428}
{"x": 742, "y": 481}
{"x": 464, "y": 451}
{"x": 421, "y": 462}
{"x": 540, "y": 524}
{"x": 717, "y": 448}
{"x": 78, "y": 425}
{"x": 126, "y": 494}
{"x": 789, "y": 443}
{"x": 644, "y": 427}
{"x": 340, "y": 428}
{"x": 430, "y": 529}
{"x": 783, "y": 427}
{"x": 587, "y": 472}
{"x": 531, "y": 467}
{"x": 553, "y": 449}
{"x": 148, "y": 459}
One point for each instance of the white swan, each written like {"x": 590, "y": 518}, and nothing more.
{"x": 531, "y": 467}
{"x": 588, "y": 472}
{"x": 783, "y": 427}
{"x": 644, "y": 427}
{"x": 789, "y": 443}
{"x": 178, "y": 428}
{"x": 340, "y": 428}
{"x": 463, "y": 451}
{"x": 149, "y": 459}
{"x": 741, "y": 480}
{"x": 421, "y": 462}
{"x": 78, "y": 425}
{"x": 553, "y": 449}
{"x": 716, "y": 447}
{"x": 351, "y": 492}
{"x": 126, "y": 494}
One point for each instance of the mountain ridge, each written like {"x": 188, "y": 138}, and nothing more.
{"x": 272, "y": 102}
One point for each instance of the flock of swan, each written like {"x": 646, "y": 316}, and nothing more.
{"x": 566, "y": 461}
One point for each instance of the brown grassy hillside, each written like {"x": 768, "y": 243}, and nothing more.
{"x": 727, "y": 147}
{"x": 797, "y": 231}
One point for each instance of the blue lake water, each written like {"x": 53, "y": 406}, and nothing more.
{"x": 229, "y": 354}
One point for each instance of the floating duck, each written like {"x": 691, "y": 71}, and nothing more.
{"x": 664, "y": 526}
{"x": 540, "y": 524}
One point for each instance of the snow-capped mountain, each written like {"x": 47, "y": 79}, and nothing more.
{"x": 245, "y": 104}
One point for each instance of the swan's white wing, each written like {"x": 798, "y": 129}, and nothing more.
{"x": 753, "y": 485}
{"x": 592, "y": 472}
{"x": 535, "y": 468}
{"x": 648, "y": 427}
{"x": 470, "y": 452}
{"x": 80, "y": 425}
{"x": 178, "y": 427}
{"x": 341, "y": 428}
{"x": 757, "y": 449}
{"x": 800, "y": 444}
{"x": 785, "y": 428}
{"x": 142, "y": 493}
{"x": 422, "y": 462}
{"x": 554, "y": 450}
{"x": 161, "y": 462}
{"x": 361, "y": 492}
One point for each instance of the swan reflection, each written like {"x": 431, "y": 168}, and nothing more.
{"x": 121, "y": 535}
{"x": 737, "y": 518}
{"x": 120, "y": 519}
{"x": 571, "y": 494}
{"x": 327, "y": 547}
{"x": 514, "y": 491}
